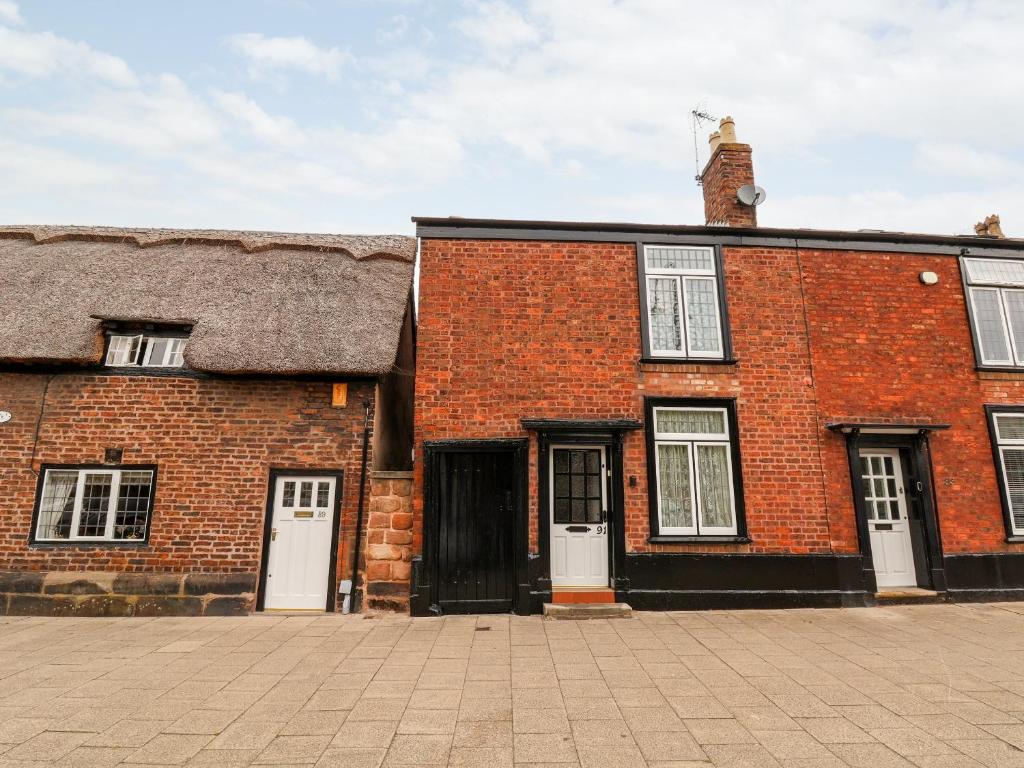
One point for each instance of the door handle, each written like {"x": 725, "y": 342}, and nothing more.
{"x": 578, "y": 528}
{"x": 273, "y": 534}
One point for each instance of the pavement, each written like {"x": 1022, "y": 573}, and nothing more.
{"x": 928, "y": 686}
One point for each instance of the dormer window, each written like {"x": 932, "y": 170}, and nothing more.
{"x": 145, "y": 345}
{"x": 146, "y": 351}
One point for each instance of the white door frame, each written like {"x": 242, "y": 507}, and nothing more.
{"x": 273, "y": 533}
{"x": 890, "y": 539}
{"x": 603, "y": 580}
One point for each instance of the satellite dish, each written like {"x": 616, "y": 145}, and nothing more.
{"x": 752, "y": 195}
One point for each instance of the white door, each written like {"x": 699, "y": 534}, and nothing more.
{"x": 299, "y": 559}
{"x": 579, "y": 516}
{"x": 888, "y": 526}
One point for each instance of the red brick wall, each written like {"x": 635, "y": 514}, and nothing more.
{"x": 214, "y": 441}
{"x": 888, "y": 348}
{"x": 528, "y": 329}
{"x": 512, "y": 329}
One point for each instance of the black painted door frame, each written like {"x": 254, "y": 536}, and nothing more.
{"x": 915, "y": 447}
{"x": 429, "y": 585}
{"x": 582, "y": 434}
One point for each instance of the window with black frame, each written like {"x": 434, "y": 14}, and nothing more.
{"x": 683, "y": 297}
{"x": 694, "y": 469}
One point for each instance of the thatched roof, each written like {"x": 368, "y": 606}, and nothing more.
{"x": 260, "y": 302}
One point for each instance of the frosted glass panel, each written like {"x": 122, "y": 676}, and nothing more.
{"x": 715, "y": 501}
{"x": 676, "y": 498}
{"x": 1013, "y": 469}
{"x": 666, "y": 325}
{"x": 1000, "y": 271}
{"x": 681, "y": 422}
{"x": 1010, "y": 426}
{"x": 681, "y": 258}
{"x": 988, "y": 322}
{"x": 702, "y": 315}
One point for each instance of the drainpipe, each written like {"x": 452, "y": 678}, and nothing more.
{"x": 353, "y": 599}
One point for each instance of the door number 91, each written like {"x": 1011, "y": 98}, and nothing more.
{"x": 600, "y": 529}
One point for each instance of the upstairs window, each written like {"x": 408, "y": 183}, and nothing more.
{"x": 995, "y": 291}
{"x": 683, "y": 303}
{"x": 94, "y": 504}
{"x": 125, "y": 350}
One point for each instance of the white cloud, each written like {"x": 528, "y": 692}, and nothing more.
{"x": 44, "y": 54}
{"x": 270, "y": 54}
{"x": 274, "y": 129}
{"x": 9, "y": 13}
{"x": 26, "y": 165}
{"x": 620, "y": 78}
{"x": 893, "y": 210}
{"x": 497, "y": 28}
{"x": 956, "y": 159}
{"x": 167, "y": 117}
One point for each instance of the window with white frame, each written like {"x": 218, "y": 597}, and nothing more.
{"x": 694, "y": 480}
{"x": 1008, "y": 431}
{"x": 94, "y": 504}
{"x": 146, "y": 351}
{"x": 684, "y": 311}
{"x": 995, "y": 290}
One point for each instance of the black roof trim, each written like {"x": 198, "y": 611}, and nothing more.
{"x": 582, "y": 231}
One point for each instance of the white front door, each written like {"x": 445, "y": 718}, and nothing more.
{"x": 888, "y": 526}
{"x": 579, "y": 516}
{"x": 299, "y": 558}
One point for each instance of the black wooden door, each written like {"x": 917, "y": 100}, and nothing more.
{"x": 472, "y": 529}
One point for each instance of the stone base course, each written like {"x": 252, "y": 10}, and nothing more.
{"x": 72, "y": 593}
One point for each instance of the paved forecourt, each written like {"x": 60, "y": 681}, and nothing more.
{"x": 928, "y": 686}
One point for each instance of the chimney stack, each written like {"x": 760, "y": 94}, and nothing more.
{"x": 989, "y": 227}
{"x": 729, "y": 168}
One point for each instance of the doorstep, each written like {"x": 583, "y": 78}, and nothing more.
{"x": 587, "y": 611}
{"x": 578, "y": 595}
{"x": 908, "y": 596}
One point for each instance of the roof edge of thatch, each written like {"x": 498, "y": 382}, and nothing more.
{"x": 250, "y": 242}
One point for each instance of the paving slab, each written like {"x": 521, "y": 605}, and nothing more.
{"x": 935, "y": 686}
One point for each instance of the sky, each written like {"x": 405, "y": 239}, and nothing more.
{"x": 354, "y": 115}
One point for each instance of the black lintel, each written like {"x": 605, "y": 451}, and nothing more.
{"x": 578, "y": 425}
{"x": 852, "y": 426}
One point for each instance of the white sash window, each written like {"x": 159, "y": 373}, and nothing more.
{"x": 995, "y": 293}
{"x": 694, "y": 472}
{"x": 1008, "y": 430}
{"x": 684, "y": 315}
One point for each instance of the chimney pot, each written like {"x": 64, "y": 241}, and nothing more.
{"x": 714, "y": 140}
{"x": 990, "y": 227}
{"x": 727, "y": 129}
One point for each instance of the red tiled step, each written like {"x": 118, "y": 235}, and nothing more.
{"x": 580, "y": 596}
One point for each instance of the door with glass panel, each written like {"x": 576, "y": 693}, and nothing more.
{"x": 299, "y": 555}
{"x": 579, "y": 516}
{"x": 885, "y": 502}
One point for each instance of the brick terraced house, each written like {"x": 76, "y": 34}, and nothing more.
{"x": 192, "y": 422}
{"x": 715, "y": 416}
